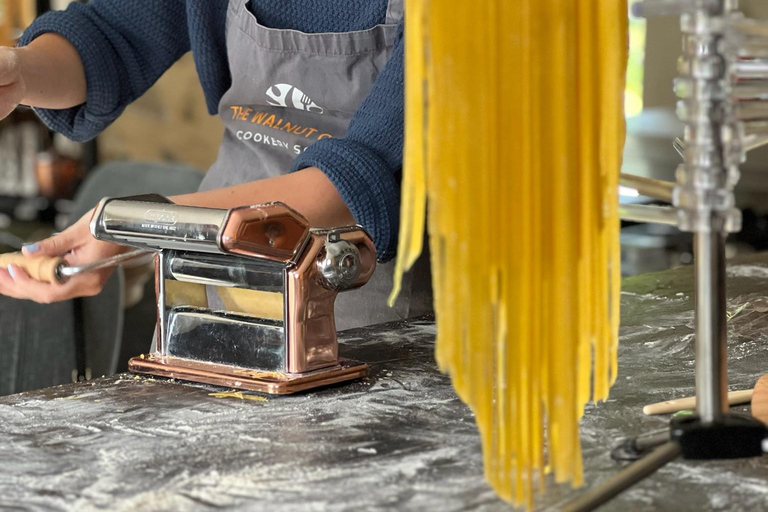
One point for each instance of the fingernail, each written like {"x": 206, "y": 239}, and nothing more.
{"x": 10, "y": 271}
{"x": 30, "y": 248}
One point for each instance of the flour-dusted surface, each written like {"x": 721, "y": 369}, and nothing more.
{"x": 399, "y": 440}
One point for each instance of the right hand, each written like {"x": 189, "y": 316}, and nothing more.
{"x": 78, "y": 247}
{"x": 13, "y": 89}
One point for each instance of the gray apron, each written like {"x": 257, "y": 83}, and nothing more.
{"x": 289, "y": 90}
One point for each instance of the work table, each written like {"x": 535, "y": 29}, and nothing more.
{"x": 398, "y": 440}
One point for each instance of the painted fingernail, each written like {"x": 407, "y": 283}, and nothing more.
{"x": 10, "y": 271}
{"x": 30, "y": 248}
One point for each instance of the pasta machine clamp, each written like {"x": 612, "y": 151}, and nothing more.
{"x": 245, "y": 297}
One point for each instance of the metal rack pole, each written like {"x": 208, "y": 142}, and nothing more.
{"x": 648, "y": 213}
{"x": 657, "y": 189}
{"x": 634, "y": 473}
{"x": 706, "y": 172}
{"x": 711, "y": 326}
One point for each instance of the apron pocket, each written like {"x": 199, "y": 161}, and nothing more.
{"x": 329, "y": 44}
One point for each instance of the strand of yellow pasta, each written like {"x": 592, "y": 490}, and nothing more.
{"x": 414, "y": 197}
{"x": 530, "y": 174}
{"x": 500, "y": 466}
{"x": 480, "y": 338}
{"x": 614, "y": 74}
{"x": 512, "y": 52}
{"x": 497, "y": 324}
{"x": 588, "y": 104}
{"x": 513, "y": 141}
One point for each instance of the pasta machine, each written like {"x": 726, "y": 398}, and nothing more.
{"x": 723, "y": 91}
{"x": 245, "y": 297}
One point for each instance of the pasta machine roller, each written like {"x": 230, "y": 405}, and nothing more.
{"x": 245, "y": 297}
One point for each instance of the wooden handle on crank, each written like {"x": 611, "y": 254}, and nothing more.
{"x": 38, "y": 268}
{"x": 682, "y": 404}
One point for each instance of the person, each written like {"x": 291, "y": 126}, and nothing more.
{"x": 310, "y": 92}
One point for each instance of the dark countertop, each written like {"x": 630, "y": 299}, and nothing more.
{"x": 399, "y": 440}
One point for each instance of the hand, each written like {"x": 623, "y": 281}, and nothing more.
{"x": 13, "y": 89}
{"x": 78, "y": 247}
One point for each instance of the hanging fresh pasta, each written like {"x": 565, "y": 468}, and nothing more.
{"x": 514, "y": 134}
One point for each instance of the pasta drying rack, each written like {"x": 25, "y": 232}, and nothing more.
{"x": 723, "y": 92}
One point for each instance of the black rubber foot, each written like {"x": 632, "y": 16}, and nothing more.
{"x": 733, "y": 437}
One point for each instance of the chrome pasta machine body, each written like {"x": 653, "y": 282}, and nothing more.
{"x": 245, "y": 297}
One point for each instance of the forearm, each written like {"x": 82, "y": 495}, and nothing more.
{"x": 52, "y": 72}
{"x": 365, "y": 164}
{"x": 308, "y": 191}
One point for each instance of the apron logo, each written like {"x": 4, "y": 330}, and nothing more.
{"x": 286, "y": 95}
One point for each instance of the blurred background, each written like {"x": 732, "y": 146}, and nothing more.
{"x": 652, "y": 125}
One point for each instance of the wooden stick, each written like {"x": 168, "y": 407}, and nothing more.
{"x": 39, "y": 268}
{"x": 682, "y": 404}
{"x": 760, "y": 400}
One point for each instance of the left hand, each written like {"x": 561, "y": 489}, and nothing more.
{"x": 78, "y": 247}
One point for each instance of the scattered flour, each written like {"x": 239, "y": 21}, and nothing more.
{"x": 747, "y": 271}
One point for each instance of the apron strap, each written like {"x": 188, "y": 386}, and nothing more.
{"x": 395, "y": 10}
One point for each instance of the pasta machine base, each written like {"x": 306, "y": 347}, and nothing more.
{"x": 242, "y": 378}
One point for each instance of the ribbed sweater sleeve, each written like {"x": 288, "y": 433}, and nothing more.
{"x": 365, "y": 166}
{"x": 125, "y": 46}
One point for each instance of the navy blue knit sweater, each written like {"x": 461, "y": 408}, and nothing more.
{"x": 126, "y": 45}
